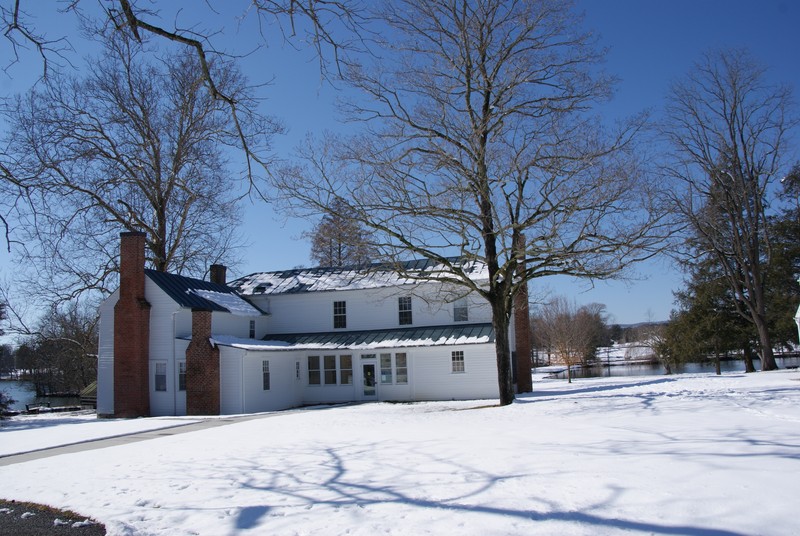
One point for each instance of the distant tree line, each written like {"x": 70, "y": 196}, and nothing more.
{"x": 61, "y": 356}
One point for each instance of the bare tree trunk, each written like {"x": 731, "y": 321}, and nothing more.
{"x": 767, "y": 357}
{"x": 748, "y": 358}
{"x": 500, "y": 322}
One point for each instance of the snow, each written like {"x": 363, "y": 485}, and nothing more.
{"x": 329, "y": 279}
{"x": 34, "y": 432}
{"x": 690, "y": 454}
{"x": 273, "y": 345}
{"x": 233, "y": 303}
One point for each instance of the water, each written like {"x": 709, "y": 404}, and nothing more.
{"x": 23, "y": 393}
{"x": 598, "y": 371}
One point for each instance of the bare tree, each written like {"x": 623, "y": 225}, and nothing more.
{"x": 136, "y": 145}
{"x": 729, "y": 129}
{"x": 568, "y": 331}
{"x": 477, "y": 132}
{"x": 340, "y": 241}
{"x": 328, "y": 26}
{"x": 62, "y": 355}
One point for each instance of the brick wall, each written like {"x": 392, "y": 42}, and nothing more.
{"x": 202, "y": 368}
{"x": 132, "y": 332}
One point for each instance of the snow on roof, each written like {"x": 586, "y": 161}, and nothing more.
{"x": 232, "y": 302}
{"x": 367, "y": 340}
{"x": 349, "y": 278}
{"x": 194, "y": 293}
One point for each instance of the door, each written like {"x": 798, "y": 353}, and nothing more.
{"x": 368, "y": 381}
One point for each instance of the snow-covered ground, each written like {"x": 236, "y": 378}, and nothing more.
{"x": 682, "y": 455}
{"x": 36, "y": 432}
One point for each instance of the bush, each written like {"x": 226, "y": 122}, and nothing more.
{"x": 5, "y": 403}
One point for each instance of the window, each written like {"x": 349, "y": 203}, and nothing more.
{"x": 181, "y": 375}
{"x": 394, "y": 368}
{"x": 252, "y": 329}
{"x": 265, "y": 374}
{"x": 330, "y": 370}
{"x": 297, "y": 370}
{"x": 458, "y": 361}
{"x": 313, "y": 370}
{"x": 404, "y": 303}
{"x": 460, "y": 310}
{"x": 401, "y": 368}
{"x": 161, "y": 376}
{"x": 339, "y": 314}
{"x": 386, "y": 368}
{"x": 346, "y": 369}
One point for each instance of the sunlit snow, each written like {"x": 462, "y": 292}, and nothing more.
{"x": 691, "y": 454}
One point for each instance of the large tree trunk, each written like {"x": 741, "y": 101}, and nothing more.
{"x": 767, "y": 357}
{"x": 500, "y": 322}
{"x": 748, "y": 358}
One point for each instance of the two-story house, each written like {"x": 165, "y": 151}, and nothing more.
{"x": 172, "y": 345}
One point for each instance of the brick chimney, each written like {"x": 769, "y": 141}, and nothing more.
{"x": 202, "y": 368}
{"x": 522, "y": 328}
{"x": 131, "y": 332}
{"x": 218, "y": 273}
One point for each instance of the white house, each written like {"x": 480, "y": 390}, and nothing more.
{"x": 172, "y": 345}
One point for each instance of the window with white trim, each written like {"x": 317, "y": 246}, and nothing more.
{"x": 404, "y": 310}
{"x": 265, "y": 374}
{"x": 181, "y": 375}
{"x": 386, "y": 368}
{"x": 394, "y": 368}
{"x": 460, "y": 310}
{"x": 339, "y": 314}
{"x": 297, "y": 370}
{"x": 252, "y": 329}
{"x": 161, "y": 376}
{"x": 330, "y": 369}
{"x": 401, "y": 368}
{"x": 313, "y": 370}
{"x": 346, "y": 369}
{"x": 457, "y": 360}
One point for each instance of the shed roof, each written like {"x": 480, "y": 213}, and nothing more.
{"x": 198, "y": 294}
{"x": 366, "y": 340}
{"x": 375, "y": 275}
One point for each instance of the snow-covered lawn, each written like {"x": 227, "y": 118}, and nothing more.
{"x": 36, "y": 432}
{"x": 683, "y": 455}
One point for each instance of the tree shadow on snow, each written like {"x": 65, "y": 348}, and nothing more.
{"x": 297, "y": 487}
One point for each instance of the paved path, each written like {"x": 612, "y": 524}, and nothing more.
{"x": 134, "y": 437}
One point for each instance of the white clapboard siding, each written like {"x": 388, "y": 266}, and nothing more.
{"x": 367, "y": 309}
{"x": 281, "y": 394}
{"x": 231, "y": 400}
{"x": 434, "y": 379}
{"x": 105, "y": 356}
{"x": 163, "y": 312}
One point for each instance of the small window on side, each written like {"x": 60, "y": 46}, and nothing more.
{"x": 265, "y": 374}
{"x": 181, "y": 375}
{"x": 252, "y": 329}
{"x": 339, "y": 314}
{"x": 457, "y": 360}
{"x": 460, "y": 310}
{"x": 161, "y": 376}
{"x": 404, "y": 309}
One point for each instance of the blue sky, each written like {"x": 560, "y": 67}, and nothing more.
{"x": 650, "y": 43}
